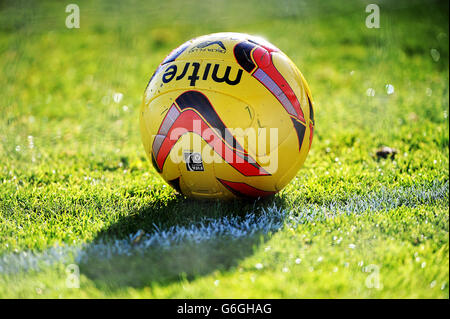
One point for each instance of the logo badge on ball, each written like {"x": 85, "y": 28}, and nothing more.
{"x": 193, "y": 162}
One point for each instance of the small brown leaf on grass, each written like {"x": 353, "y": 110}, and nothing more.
{"x": 385, "y": 152}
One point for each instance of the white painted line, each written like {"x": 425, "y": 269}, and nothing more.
{"x": 267, "y": 220}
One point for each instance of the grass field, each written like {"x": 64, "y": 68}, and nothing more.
{"x": 77, "y": 189}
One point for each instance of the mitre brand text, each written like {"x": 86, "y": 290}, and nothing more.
{"x": 218, "y": 73}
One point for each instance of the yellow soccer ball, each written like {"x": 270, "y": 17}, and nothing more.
{"x": 227, "y": 115}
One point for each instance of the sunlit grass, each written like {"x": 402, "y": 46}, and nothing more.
{"x": 73, "y": 172}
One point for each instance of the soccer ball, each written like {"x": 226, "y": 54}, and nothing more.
{"x": 227, "y": 115}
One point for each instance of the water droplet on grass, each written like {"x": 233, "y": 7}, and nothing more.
{"x": 370, "y": 92}
{"x": 389, "y": 89}
{"x": 30, "y": 141}
{"x": 117, "y": 97}
{"x": 435, "y": 55}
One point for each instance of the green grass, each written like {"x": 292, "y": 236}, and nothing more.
{"x": 73, "y": 172}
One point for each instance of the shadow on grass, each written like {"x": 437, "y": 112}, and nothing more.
{"x": 199, "y": 252}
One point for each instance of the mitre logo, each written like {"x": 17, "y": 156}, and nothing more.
{"x": 209, "y": 46}
{"x": 219, "y": 73}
